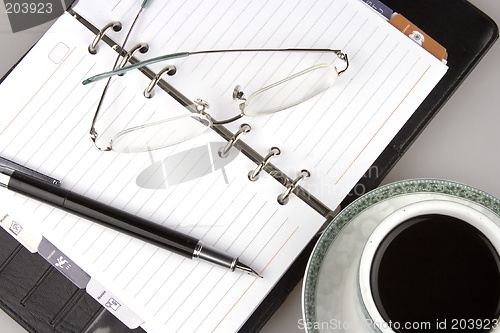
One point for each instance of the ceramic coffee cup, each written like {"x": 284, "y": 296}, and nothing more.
{"x": 432, "y": 266}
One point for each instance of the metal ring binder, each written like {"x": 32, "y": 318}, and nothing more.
{"x": 285, "y": 196}
{"x": 115, "y": 25}
{"x": 141, "y": 47}
{"x": 224, "y": 151}
{"x": 170, "y": 70}
{"x": 254, "y": 174}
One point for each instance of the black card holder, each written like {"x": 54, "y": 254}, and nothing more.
{"x": 42, "y": 300}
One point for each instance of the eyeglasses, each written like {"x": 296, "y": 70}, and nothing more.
{"x": 280, "y": 95}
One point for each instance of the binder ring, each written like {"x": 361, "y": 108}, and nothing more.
{"x": 115, "y": 25}
{"x": 254, "y": 174}
{"x": 224, "y": 151}
{"x": 170, "y": 70}
{"x": 285, "y": 196}
{"x": 141, "y": 47}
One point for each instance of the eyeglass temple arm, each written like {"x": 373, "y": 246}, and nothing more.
{"x": 341, "y": 55}
{"x": 145, "y": 3}
{"x": 140, "y": 64}
{"x": 93, "y": 133}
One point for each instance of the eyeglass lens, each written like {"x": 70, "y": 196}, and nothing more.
{"x": 160, "y": 134}
{"x": 291, "y": 91}
{"x": 278, "y": 96}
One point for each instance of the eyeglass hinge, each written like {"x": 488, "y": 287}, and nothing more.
{"x": 343, "y": 56}
{"x": 93, "y": 138}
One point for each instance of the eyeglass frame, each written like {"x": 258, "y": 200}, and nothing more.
{"x": 92, "y": 49}
{"x": 200, "y": 105}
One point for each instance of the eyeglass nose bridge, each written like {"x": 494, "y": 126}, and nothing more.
{"x": 239, "y": 95}
{"x": 201, "y": 106}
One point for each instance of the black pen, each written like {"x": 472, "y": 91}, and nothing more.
{"x": 153, "y": 233}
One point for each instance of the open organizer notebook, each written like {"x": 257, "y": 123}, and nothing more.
{"x": 335, "y": 136}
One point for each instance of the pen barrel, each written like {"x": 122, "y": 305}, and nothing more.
{"x": 104, "y": 215}
{"x": 130, "y": 224}
{"x": 37, "y": 189}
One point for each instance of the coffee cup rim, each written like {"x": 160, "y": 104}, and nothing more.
{"x": 443, "y": 207}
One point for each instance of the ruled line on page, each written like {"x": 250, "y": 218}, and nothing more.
{"x": 39, "y": 89}
{"x": 256, "y": 279}
{"x": 236, "y": 283}
{"x": 46, "y": 120}
{"x": 293, "y": 129}
{"x": 356, "y": 119}
{"x": 385, "y": 122}
{"x": 116, "y": 5}
{"x": 205, "y": 291}
{"x": 158, "y": 12}
{"x": 166, "y": 218}
{"x": 341, "y": 153}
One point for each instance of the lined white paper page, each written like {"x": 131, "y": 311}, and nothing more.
{"x": 45, "y": 123}
{"x": 336, "y": 135}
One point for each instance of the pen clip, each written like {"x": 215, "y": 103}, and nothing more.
{"x": 18, "y": 167}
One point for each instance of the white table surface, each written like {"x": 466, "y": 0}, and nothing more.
{"x": 460, "y": 144}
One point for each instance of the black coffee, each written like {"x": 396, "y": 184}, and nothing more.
{"x": 437, "y": 271}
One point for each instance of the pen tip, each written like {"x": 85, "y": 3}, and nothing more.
{"x": 246, "y": 269}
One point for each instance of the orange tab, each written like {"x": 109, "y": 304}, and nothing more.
{"x": 418, "y": 36}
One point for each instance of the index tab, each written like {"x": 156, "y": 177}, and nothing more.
{"x": 419, "y": 36}
{"x": 113, "y": 304}
{"x": 63, "y": 264}
{"x": 380, "y": 8}
{"x": 18, "y": 229}
{"x": 17, "y": 222}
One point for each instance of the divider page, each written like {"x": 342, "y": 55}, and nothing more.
{"x": 45, "y": 122}
{"x": 336, "y": 135}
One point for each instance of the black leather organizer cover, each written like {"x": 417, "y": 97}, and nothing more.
{"x": 42, "y": 300}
